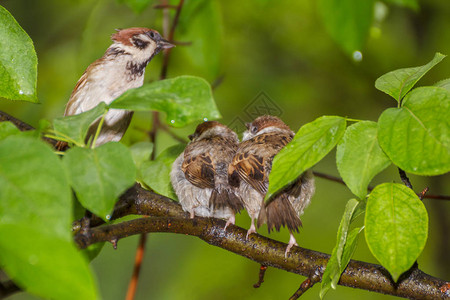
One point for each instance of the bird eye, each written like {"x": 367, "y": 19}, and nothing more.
{"x": 254, "y": 129}
{"x": 140, "y": 43}
{"x": 152, "y": 34}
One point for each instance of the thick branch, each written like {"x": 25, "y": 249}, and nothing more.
{"x": 167, "y": 216}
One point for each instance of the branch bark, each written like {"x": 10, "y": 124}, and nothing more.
{"x": 165, "y": 215}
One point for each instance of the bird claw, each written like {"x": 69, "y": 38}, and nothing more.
{"x": 292, "y": 242}
{"x": 231, "y": 220}
{"x": 251, "y": 230}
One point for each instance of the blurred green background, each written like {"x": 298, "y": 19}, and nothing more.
{"x": 279, "y": 50}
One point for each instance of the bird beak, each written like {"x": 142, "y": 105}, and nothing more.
{"x": 164, "y": 44}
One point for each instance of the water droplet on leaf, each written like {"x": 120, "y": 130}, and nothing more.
{"x": 357, "y": 56}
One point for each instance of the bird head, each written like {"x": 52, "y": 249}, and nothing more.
{"x": 211, "y": 129}
{"x": 262, "y": 125}
{"x": 141, "y": 43}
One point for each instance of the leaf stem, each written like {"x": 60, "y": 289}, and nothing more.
{"x": 99, "y": 128}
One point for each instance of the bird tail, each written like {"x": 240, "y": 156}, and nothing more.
{"x": 279, "y": 212}
{"x": 223, "y": 196}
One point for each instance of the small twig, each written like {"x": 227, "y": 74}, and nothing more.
{"x": 132, "y": 286}
{"x": 405, "y": 178}
{"x": 437, "y": 197}
{"x": 333, "y": 178}
{"x": 370, "y": 188}
{"x": 22, "y": 126}
{"x": 173, "y": 135}
{"x": 166, "y": 16}
{"x": 170, "y": 38}
{"x": 422, "y": 194}
{"x": 307, "y": 284}
{"x": 217, "y": 82}
{"x": 262, "y": 272}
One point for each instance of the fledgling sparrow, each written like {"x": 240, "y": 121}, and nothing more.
{"x": 251, "y": 167}
{"x": 121, "y": 68}
{"x": 199, "y": 175}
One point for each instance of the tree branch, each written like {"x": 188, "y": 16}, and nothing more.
{"x": 168, "y": 216}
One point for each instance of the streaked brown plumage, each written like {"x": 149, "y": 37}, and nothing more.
{"x": 121, "y": 68}
{"x": 200, "y": 174}
{"x": 250, "y": 170}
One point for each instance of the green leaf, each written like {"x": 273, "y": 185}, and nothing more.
{"x": 359, "y": 157}
{"x": 311, "y": 143}
{"x": 184, "y": 99}
{"x": 141, "y": 152}
{"x": 27, "y": 197}
{"x": 75, "y": 127}
{"x": 47, "y": 266}
{"x": 137, "y": 6}
{"x": 413, "y": 4}
{"x": 399, "y": 82}
{"x": 416, "y": 137}
{"x": 201, "y": 24}
{"x": 6, "y": 129}
{"x": 444, "y": 84}
{"x": 344, "y": 249}
{"x": 156, "y": 174}
{"x": 347, "y": 21}
{"x": 396, "y": 227}
{"x": 35, "y": 213}
{"x": 100, "y": 175}
{"x": 18, "y": 61}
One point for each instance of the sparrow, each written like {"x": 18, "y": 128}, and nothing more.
{"x": 121, "y": 68}
{"x": 199, "y": 175}
{"x": 250, "y": 169}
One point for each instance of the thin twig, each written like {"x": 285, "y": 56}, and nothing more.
{"x": 217, "y": 82}
{"x": 262, "y": 272}
{"x": 173, "y": 135}
{"x": 370, "y": 188}
{"x": 132, "y": 286}
{"x": 306, "y": 285}
{"x": 405, "y": 178}
{"x": 170, "y": 38}
{"x": 422, "y": 194}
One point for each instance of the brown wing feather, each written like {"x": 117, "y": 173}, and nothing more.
{"x": 251, "y": 169}
{"x": 199, "y": 170}
{"x": 253, "y": 160}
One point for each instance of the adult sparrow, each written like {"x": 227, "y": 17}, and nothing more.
{"x": 250, "y": 170}
{"x": 199, "y": 175}
{"x": 121, "y": 68}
